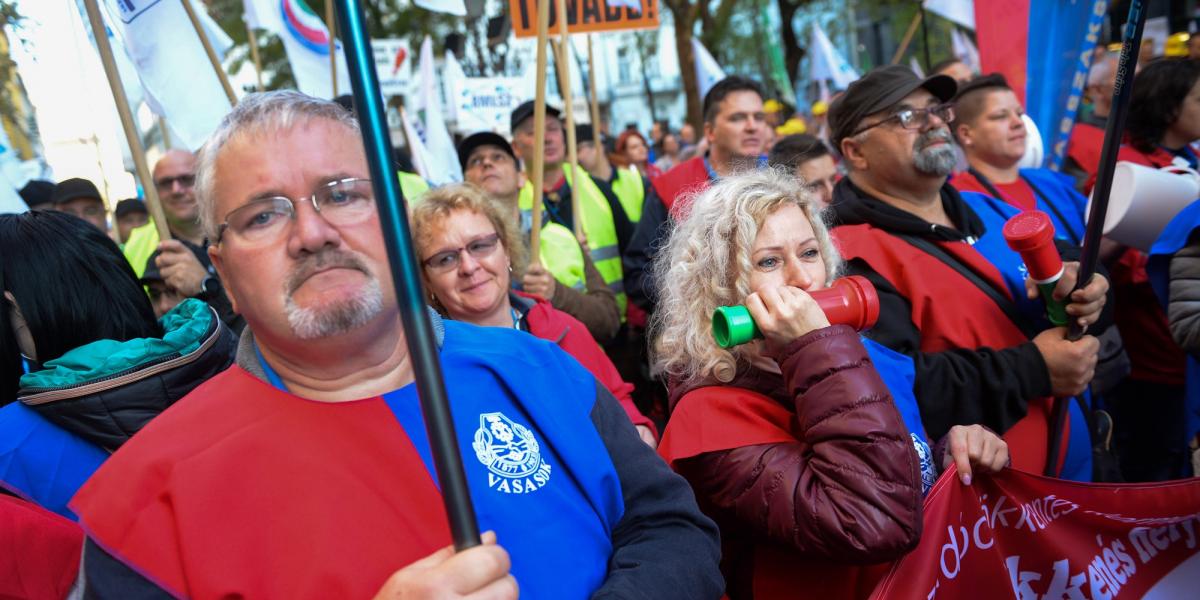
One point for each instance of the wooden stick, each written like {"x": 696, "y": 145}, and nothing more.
{"x": 253, "y": 39}
{"x": 537, "y": 169}
{"x": 908, "y": 37}
{"x": 127, "y": 122}
{"x": 329, "y": 22}
{"x": 166, "y": 133}
{"x": 564, "y": 42}
{"x": 595, "y": 96}
{"x": 212, "y": 54}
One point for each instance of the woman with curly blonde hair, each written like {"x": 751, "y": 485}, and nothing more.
{"x": 805, "y": 447}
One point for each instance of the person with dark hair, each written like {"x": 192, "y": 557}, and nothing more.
{"x": 668, "y": 154}
{"x": 809, "y": 158}
{"x": 735, "y": 127}
{"x": 952, "y": 295}
{"x": 37, "y": 194}
{"x": 989, "y": 128}
{"x": 130, "y": 214}
{"x": 80, "y": 197}
{"x": 954, "y": 68}
{"x": 1164, "y": 118}
{"x": 83, "y": 356}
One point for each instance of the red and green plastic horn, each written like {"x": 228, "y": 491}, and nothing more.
{"x": 1031, "y": 234}
{"x": 849, "y": 301}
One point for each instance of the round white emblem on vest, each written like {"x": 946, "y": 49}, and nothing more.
{"x": 511, "y": 454}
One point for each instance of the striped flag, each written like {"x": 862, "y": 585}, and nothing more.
{"x": 306, "y": 40}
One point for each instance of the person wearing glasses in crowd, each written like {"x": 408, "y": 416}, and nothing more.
{"x": 469, "y": 252}
{"x": 304, "y": 470}
{"x": 182, "y": 263}
{"x": 952, "y": 294}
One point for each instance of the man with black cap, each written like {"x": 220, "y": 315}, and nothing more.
{"x": 566, "y": 276}
{"x": 628, "y": 185}
{"x": 37, "y": 194}
{"x": 603, "y": 221}
{"x": 952, "y": 295}
{"x": 130, "y": 214}
{"x": 80, "y": 197}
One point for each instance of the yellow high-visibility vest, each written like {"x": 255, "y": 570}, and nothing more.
{"x": 631, "y": 191}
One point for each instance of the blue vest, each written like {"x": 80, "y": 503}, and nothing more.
{"x": 43, "y": 462}
{"x": 995, "y": 213}
{"x": 1069, "y": 210}
{"x": 899, "y": 375}
{"x": 540, "y": 475}
{"x": 1172, "y": 240}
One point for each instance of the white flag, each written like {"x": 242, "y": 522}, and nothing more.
{"x": 443, "y": 167}
{"x": 708, "y": 72}
{"x": 452, "y": 78}
{"x": 959, "y": 11}
{"x": 965, "y": 51}
{"x": 457, "y": 8}
{"x": 306, "y": 40}
{"x": 176, "y": 75}
{"x": 916, "y": 67}
{"x": 828, "y": 63}
{"x": 416, "y": 148}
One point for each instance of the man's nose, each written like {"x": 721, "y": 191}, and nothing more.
{"x": 310, "y": 230}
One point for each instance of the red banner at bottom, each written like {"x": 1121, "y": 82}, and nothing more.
{"x": 1021, "y": 536}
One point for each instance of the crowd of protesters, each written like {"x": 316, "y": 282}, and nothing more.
{"x": 231, "y": 412}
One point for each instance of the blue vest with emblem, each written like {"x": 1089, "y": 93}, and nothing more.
{"x": 995, "y": 213}
{"x": 1172, "y": 240}
{"x": 897, "y": 372}
{"x": 539, "y": 473}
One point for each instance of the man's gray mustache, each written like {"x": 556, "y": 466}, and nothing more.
{"x": 324, "y": 260}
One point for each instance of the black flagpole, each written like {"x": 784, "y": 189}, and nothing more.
{"x": 418, "y": 330}
{"x": 1131, "y": 42}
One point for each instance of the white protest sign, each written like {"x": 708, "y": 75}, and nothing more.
{"x": 393, "y": 64}
{"x": 486, "y": 103}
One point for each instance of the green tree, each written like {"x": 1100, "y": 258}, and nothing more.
{"x": 687, "y": 14}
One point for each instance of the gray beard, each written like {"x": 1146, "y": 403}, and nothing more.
{"x": 325, "y": 321}
{"x": 938, "y": 161}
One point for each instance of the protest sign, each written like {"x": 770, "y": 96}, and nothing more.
{"x": 486, "y": 103}
{"x": 1022, "y": 536}
{"x": 393, "y": 65}
{"x": 585, "y": 16}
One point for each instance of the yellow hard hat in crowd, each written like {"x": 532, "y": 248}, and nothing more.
{"x": 1177, "y": 44}
{"x": 793, "y": 125}
{"x": 819, "y": 108}
{"x": 772, "y": 106}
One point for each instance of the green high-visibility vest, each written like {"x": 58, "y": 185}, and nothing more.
{"x": 597, "y": 221}
{"x": 561, "y": 255}
{"x": 630, "y": 190}
{"x": 413, "y": 186}
{"x": 142, "y": 242}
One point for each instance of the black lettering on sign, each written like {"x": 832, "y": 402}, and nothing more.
{"x": 523, "y": 6}
{"x": 650, "y": 10}
{"x": 572, "y": 12}
{"x": 591, "y": 11}
{"x": 612, "y": 13}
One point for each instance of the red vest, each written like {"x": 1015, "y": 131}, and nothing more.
{"x": 1084, "y": 147}
{"x": 686, "y": 179}
{"x": 952, "y": 313}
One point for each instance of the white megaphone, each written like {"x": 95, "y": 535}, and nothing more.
{"x": 1143, "y": 201}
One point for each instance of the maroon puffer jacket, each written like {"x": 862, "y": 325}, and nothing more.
{"x": 796, "y": 513}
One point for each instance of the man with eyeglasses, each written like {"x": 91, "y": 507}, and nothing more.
{"x": 565, "y": 274}
{"x": 952, "y": 294}
{"x": 304, "y": 471}
{"x": 181, "y": 263}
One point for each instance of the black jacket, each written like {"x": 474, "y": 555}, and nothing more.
{"x": 949, "y": 384}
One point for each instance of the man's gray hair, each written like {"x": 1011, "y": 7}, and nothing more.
{"x": 264, "y": 112}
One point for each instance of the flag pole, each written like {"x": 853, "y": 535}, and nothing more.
{"x": 908, "y": 37}
{"x": 208, "y": 49}
{"x": 253, "y": 39}
{"x": 127, "y": 122}
{"x": 331, "y": 25}
{"x": 410, "y": 294}
{"x": 537, "y": 169}
{"x": 560, "y": 55}
{"x": 166, "y": 133}
{"x": 594, "y": 96}
{"x": 1122, "y": 93}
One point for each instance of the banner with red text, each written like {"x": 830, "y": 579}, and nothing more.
{"x": 1023, "y": 536}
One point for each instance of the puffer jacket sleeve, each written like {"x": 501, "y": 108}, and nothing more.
{"x": 1183, "y": 310}
{"x": 849, "y": 490}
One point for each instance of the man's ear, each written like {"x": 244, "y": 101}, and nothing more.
{"x": 214, "y": 254}
{"x": 852, "y": 153}
{"x": 964, "y": 135}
